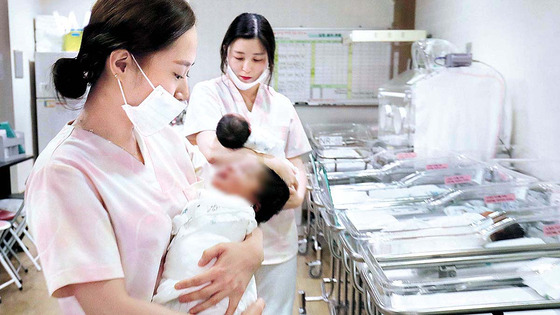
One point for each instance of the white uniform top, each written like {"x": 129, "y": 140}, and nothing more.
{"x": 213, "y": 218}
{"x": 97, "y": 213}
{"x": 272, "y": 111}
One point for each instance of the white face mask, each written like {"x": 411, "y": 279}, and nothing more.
{"x": 155, "y": 112}
{"x": 245, "y": 86}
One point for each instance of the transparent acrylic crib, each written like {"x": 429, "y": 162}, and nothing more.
{"x": 534, "y": 212}
{"x": 344, "y": 147}
{"x": 457, "y": 285}
{"x": 532, "y": 206}
{"x": 419, "y": 187}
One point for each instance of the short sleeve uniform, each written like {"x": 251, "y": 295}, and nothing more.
{"x": 273, "y": 112}
{"x": 97, "y": 213}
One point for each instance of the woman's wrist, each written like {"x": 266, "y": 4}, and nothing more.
{"x": 254, "y": 245}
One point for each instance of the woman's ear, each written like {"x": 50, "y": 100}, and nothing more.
{"x": 257, "y": 207}
{"x": 119, "y": 61}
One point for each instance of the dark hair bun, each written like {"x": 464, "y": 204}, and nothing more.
{"x": 68, "y": 78}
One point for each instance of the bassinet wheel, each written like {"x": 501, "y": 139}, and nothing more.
{"x": 303, "y": 247}
{"x": 315, "y": 271}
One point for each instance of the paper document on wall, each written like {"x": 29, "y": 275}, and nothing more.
{"x": 315, "y": 66}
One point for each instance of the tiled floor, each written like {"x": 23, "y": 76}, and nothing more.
{"x": 312, "y": 287}
{"x": 34, "y": 300}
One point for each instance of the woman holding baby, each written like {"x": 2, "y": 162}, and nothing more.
{"x": 102, "y": 194}
{"x": 247, "y": 62}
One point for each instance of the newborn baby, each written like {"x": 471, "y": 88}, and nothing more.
{"x": 240, "y": 196}
{"x": 234, "y": 132}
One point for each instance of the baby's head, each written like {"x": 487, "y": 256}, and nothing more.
{"x": 233, "y": 131}
{"x": 255, "y": 182}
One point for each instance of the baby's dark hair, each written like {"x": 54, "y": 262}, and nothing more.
{"x": 272, "y": 197}
{"x": 233, "y": 131}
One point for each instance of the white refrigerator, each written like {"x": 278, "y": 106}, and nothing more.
{"x": 51, "y": 113}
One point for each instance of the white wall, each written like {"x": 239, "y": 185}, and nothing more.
{"x": 214, "y": 16}
{"x": 521, "y": 38}
{"x": 63, "y": 7}
{"x": 6, "y": 104}
{"x": 21, "y": 15}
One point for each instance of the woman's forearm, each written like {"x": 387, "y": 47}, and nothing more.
{"x": 255, "y": 242}
{"x": 110, "y": 297}
{"x": 297, "y": 199}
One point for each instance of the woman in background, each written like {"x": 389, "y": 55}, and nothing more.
{"x": 247, "y": 62}
{"x": 102, "y": 194}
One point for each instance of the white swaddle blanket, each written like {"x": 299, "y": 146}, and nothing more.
{"x": 262, "y": 141}
{"x": 213, "y": 218}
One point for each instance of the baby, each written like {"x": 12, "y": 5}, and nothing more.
{"x": 240, "y": 196}
{"x": 234, "y": 132}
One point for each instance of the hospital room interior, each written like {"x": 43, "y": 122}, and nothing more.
{"x": 250, "y": 157}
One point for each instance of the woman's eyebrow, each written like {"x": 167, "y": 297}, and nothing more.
{"x": 242, "y": 53}
{"x": 184, "y": 63}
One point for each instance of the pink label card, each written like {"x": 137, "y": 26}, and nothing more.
{"x": 406, "y": 155}
{"x": 552, "y": 229}
{"x": 457, "y": 179}
{"x": 431, "y": 167}
{"x": 499, "y": 198}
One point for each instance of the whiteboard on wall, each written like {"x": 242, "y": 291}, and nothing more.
{"x": 316, "y": 66}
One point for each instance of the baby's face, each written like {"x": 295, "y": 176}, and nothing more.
{"x": 242, "y": 178}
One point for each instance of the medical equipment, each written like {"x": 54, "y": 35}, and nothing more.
{"x": 344, "y": 147}
{"x": 396, "y": 106}
{"x": 482, "y": 283}
{"x": 429, "y": 187}
{"x": 457, "y": 60}
{"x": 437, "y": 105}
{"x": 393, "y": 164}
{"x": 507, "y": 198}
{"x": 477, "y": 201}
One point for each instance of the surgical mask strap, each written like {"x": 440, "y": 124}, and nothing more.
{"x": 121, "y": 88}
{"x": 142, "y": 71}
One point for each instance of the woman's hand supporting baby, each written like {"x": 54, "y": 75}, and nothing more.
{"x": 256, "y": 308}
{"x": 284, "y": 168}
{"x": 235, "y": 265}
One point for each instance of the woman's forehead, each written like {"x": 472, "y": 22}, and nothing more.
{"x": 183, "y": 50}
{"x": 251, "y": 46}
